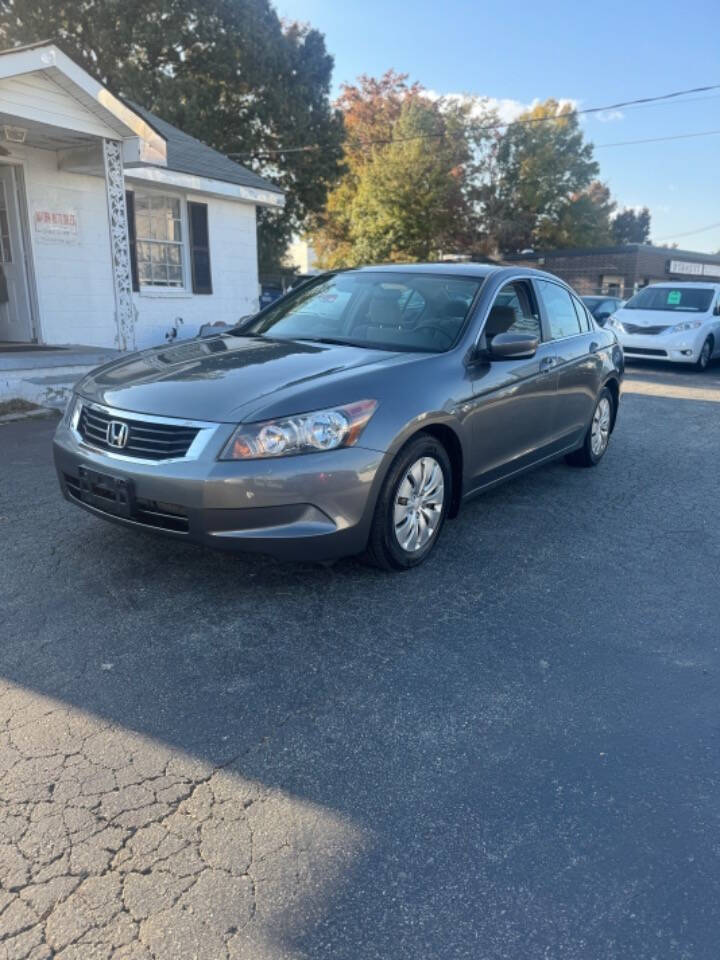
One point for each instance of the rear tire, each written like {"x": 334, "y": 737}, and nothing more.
{"x": 597, "y": 437}
{"x": 703, "y": 361}
{"x": 412, "y": 506}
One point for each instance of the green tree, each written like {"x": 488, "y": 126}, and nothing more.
{"x": 631, "y": 226}
{"x": 412, "y": 173}
{"x": 540, "y": 188}
{"x": 229, "y": 72}
{"x": 582, "y": 221}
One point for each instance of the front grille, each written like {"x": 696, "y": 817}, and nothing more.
{"x": 635, "y": 328}
{"x": 151, "y": 513}
{"x": 146, "y": 440}
{"x": 645, "y": 351}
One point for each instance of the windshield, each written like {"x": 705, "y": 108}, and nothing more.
{"x": 683, "y": 299}
{"x": 398, "y": 311}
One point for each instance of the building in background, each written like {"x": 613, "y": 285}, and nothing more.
{"x": 621, "y": 271}
{"x": 116, "y": 228}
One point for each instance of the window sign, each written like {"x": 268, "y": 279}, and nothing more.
{"x": 674, "y": 297}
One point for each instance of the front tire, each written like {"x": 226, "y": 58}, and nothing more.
{"x": 597, "y": 437}
{"x": 703, "y": 361}
{"x": 412, "y": 506}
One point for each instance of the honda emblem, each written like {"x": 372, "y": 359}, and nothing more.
{"x": 117, "y": 434}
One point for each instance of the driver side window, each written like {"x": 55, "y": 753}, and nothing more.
{"x": 514, "y": 311}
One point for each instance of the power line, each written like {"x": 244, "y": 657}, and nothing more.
{"x": 644, "y": 106}
{"x": 638, "y": 101}
{"x": 678, "y": 136}
{"x": 689, "y": 233}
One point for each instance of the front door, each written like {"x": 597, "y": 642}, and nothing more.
{"x": 512, "y": 411}
{"x": 15, "y": 317}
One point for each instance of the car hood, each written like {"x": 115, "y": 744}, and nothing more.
{"x": 652, "y": 318}
{"x": 229, "y": 378}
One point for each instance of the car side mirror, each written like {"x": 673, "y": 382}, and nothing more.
{"x": 602, "y": 318}
{"x": 512, "y": 346}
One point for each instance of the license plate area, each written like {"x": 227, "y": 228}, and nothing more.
{"x": 105, "y": 492}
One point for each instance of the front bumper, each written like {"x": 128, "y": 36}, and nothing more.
{"x": 311, "y": 507}
{"x": 673, "y": 348}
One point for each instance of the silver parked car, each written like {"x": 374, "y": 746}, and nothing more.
{"x": 678, "y": 322}
{"x": 353, "y": 415}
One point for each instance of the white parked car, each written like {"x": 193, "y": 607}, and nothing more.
{"x": 678, "y": 322}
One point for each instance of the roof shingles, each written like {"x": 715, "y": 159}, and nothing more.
{"x": 185, "y": 154}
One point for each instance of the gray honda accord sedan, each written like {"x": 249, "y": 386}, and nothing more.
{"x": 352, "y": 416}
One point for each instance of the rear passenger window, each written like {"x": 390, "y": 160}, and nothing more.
{"x": 560, "y": 310}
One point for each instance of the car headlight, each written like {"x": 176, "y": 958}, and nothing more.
{"x": 615, "y": 324}
{"x": 304, "y": 433}
{"x": 685, "y": 325}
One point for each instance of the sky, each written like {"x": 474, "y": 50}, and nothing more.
{"x": 589, "y": 53}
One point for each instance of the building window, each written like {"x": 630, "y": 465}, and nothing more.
{"x": 159, "y": 241}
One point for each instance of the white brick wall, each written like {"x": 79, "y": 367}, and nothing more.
{"x": 233, "y": 261}
{"x": 74, "y": 281}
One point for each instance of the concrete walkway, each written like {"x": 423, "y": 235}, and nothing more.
{"x": 46, "y": 377}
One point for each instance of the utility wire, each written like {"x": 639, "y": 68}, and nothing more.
{"x": 677, "y": 136}
{"x": 639, "y": 101}
{"x": 689, "y": 233}
{"x": 674, "y": 103}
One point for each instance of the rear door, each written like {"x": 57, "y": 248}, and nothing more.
{"x": 578, "y": 363}
{"x": 512, "y": 407}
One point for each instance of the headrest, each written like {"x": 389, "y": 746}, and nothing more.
{"x": 500, "y": 320}
{"x": 383, "y": 312}
{"x": 456, "y": 308}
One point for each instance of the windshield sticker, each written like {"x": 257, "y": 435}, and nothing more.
{"x": 674, "y": 297}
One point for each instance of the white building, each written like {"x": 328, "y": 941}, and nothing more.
{"x": 112, "y": 222}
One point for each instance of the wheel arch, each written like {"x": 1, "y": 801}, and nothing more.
{"x": 445, "y": 435}
{"x": 613, "y": 385}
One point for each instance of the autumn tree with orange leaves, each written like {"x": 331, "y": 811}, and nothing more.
{"x": 413, "y": 170}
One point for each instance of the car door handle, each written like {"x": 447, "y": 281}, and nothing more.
{"x": 594, "y": 347}
{"x": 547, "y": 363}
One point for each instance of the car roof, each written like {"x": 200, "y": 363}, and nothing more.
{"x": 469, "y": 269}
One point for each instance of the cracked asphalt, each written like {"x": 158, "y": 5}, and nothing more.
{"x": 511, "y": 753}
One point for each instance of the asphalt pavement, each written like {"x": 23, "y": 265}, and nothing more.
{"x": 510, "y": 753}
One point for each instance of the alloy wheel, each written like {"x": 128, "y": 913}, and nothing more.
{"x": 418, "y": 504}
{"x": 704, "y": 358}
{"x": 600, "y": 431}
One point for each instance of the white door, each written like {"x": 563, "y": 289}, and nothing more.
{"x": 15, "y": 318}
